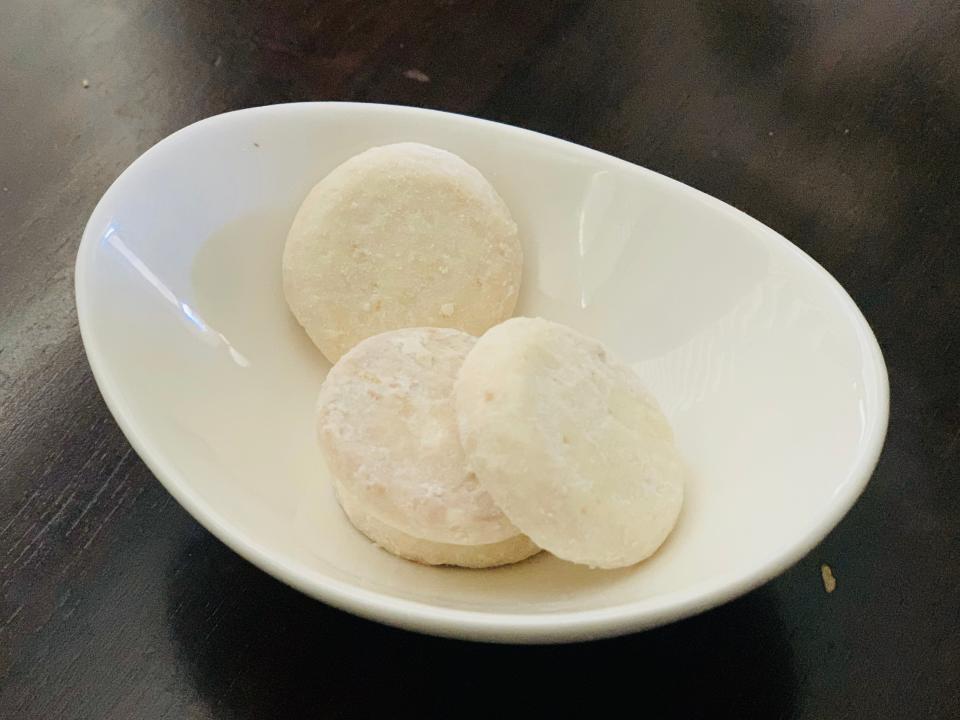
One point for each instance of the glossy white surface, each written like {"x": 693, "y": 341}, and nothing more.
{"x": 772, "y": 379}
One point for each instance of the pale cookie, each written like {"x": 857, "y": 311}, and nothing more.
{"x": 398, "y": 236}
{"x": 505, "y": 552}
{"x": 388, "y": 432}
{"x": 569, "y": 444}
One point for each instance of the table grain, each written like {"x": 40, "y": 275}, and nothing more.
{"x": 837, "y": 124}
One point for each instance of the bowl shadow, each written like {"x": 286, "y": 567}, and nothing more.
{"x": 264, "y": 650}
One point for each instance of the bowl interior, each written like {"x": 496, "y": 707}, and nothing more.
{"x": 770, "y": 376}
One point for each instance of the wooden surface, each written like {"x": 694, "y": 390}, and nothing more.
{"x": 837, "y": 124}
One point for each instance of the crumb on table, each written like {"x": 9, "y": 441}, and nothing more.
{"x": 829, "y": 581}
{"x": 418, "y": 75}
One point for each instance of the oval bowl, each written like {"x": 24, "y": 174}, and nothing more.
{"x": 773, "y": 380}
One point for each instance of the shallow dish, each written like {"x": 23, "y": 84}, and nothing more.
{"x": 772, "y": 379}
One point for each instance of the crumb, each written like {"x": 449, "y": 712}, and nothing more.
{"x": 829, "y": 581}
{"x": 256, "y": 144}
{"x": 418, "y": 75}
{"x": 846, "y": 131}
{"x": 218, "y": 60}
{"x": 85, "y": 83}
{"x": 770, "y": 134}
{"x": 447, "y": 309}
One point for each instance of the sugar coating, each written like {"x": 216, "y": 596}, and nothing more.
{"x": 569, "y": 444}
{"x": 388, "y": 432}
{"x": 505, "y": 552}
{"x": 403, "y": 235}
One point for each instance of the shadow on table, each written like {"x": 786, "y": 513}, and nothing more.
{"x": 268, "y": 651}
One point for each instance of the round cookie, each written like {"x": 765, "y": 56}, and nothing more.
{"x": 569, "y": 444}
{"x": 403, "y": 235}
{"x": 388, "y": 432}
{"x": 505, "y": 552}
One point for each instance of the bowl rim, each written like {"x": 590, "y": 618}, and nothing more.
{"x": 558, "y": 626}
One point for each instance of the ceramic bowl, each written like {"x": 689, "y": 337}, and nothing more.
{"x": 769, "y": 373}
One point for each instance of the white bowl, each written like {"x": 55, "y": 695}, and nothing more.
{"x": 770, "y": 375}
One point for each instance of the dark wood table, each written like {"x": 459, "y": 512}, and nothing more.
{"x": 837, "y": 124}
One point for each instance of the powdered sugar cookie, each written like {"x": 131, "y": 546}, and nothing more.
{"x": 398, "y": 236}
{"x": 569, "y": 444}
{"x": 388, "y": 432}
